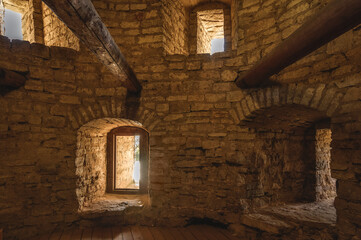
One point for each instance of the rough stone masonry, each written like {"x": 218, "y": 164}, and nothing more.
{"x": 216, "y": 152}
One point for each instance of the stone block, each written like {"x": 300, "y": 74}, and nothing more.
{"x": 234, "y": 96}
{"x": 179, "y": 107}
{"x": 194, "y": 65}
{"x": 214, "y": 97}
{"x": 201, "y": 106}
{"x": 41, "y": 73}
{"x": 228, "y": 76}
{"x": 307, "y": 96}
{"x": 162, "y": 107}
{"x": 248, "y": 3}
{"x": 54, "y": 121}
{"x": 67, "y": 99}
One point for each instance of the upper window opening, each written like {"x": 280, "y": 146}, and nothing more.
{"x": 127, "y": 160}
{"x": 210, "y": 31}
{"x": 12, "y": 26}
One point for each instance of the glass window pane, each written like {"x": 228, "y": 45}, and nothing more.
{"x": 126, "y": 170}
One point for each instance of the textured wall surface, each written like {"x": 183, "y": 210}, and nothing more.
{"x": 216, "y": 151}
{"x": 325, "y": 184}
{"x": 56, "y": 33}
{"x": 175, "y": 27}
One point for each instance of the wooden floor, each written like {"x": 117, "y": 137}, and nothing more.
{"x": 196, "y": 232}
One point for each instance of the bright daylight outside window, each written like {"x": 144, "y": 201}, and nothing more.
{"x": 127, "y": 166}
{"x": 127, "y": 160}
{"x": 217, "y": 45}
{"x": 10, "y": 22}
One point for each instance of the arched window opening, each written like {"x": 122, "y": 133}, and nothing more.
{"x": 291, "y": 165}
{"x": 127, "y": 160}
{"x": 297, "y": 154}
{"x": 106, "y": 162}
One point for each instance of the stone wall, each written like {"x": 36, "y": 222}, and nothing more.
{"x": 90, "y": 163}
{"x": 175, "y": 27}
{"x": 325, "y": 184}
{"x": 38, "y": 176}
{"x": 32, "y": 22}
{"x": 264, "y": 24}
{"x": 234, "y": 25}
{"x": 203, "y": 38}
{"x": 2, "y": 12}
{"x": 207, "y": 159}
{"x": 56, "y": 33}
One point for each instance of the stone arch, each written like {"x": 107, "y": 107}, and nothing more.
{"x": 322, "y": 98}
{"x": 110, "y": 109}
{"x": 91, "y": 155}
{"x": 92, "y": 123}
{"x": 270, "y": 111}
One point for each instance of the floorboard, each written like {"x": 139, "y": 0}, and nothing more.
{"x": 127, "y": 233}
{"x": 107, "y": 233}
{"x": 56, "y": 235}
{"x": 67, "y": 234}
{"x": 177, "y": 235}
{"x": 212, "y": 233}
{"x": 147, "y": 235}
{"x": 188, "y": 234}
{"x": 156, "y": 233}
{"x": 167, "y": 234}
{"x": 195, "y": 232}
{"x": 77, "y": 233}
{"x": 87, "y": 234}
{"x": 117, "y": 233}
{"x": 97, "y": 233}
{"x": 136, "y": 233}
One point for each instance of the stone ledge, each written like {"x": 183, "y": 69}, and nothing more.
{"x": 115, "y": 204}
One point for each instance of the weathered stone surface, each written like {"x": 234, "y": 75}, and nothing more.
{"x": 216, "y": 152}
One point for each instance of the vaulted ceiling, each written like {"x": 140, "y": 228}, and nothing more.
{"x": 192, "y": 3}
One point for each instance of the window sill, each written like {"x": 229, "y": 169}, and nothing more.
{"x": 116, "y": 203}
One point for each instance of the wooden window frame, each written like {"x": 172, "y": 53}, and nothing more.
{"x": 144, "y": 159}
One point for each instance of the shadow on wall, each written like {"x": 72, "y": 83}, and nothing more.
{"x": 298, "y": 167}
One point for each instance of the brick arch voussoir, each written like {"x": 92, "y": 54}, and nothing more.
{"x": 321, "y": 97}
{"x": 148, "y": 118}
{"x": 83, "y": 114}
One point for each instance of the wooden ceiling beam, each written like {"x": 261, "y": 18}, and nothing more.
{"x": 83, "y": 20}
{"x": 338, "y": 17}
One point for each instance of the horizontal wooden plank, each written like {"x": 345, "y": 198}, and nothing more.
{"x": 195, "y": 232}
